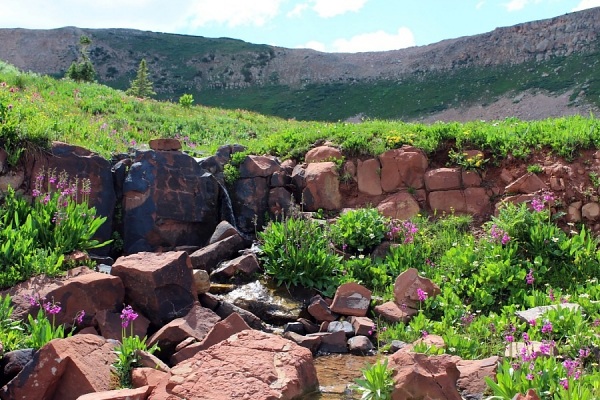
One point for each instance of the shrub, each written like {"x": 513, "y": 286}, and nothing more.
{"x": 359, "y": 230}
{"x": 377, "y": 382}
{"x": 296, "y": 251}
{"x": 186, "y": 100}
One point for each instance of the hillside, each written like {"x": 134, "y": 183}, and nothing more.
{"x": 458, "y": 79}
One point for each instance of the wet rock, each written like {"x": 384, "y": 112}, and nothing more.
{"x": 341, "y": 326}
{"x": 360, "y": 345}
{"x": 351, "y": 299}
{"x": 223, "y": 230}
{"x": 160, "y": 285}
{"x": 201, "y": 281}
{"x": 296, "y": 327}
{"x": 209, "y": 257}
{"x": 310, "y": 342}
{"x": 225, "y": 309}
{"x": 267, "y": 304}
{"x": 309, "y": 326}
{"x": 331, "y": 342}
{"x": 319, "y": 309}
{"x": 64, "y": 369}
{"x": 250, "y": 203}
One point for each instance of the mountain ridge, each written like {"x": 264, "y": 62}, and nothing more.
{"x": 235, "y": 74}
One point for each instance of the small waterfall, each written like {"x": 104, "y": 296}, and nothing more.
{"x": 226, "y": 205}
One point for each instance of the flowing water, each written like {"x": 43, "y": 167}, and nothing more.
{"x": 336, "y": 373}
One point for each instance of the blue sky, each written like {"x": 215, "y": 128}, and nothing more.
{"x": 324, "y": 25}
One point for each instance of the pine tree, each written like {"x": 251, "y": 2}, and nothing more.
{"x": 141, "y": 85}
{"x": 82, "y": 69}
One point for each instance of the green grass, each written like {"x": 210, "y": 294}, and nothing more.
{"x": 107, "y": 121}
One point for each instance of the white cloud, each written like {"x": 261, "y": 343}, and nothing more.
{"x": 585, "y": 4}
{"x": 331, "y": 8}
{"x": 479, "y": 5}
{"x": 515, "y": 5}
{"x": 298, "y": 10}
{"x": 313, "y": 44}
{"x": 232, "y": 12}
{"x": 375, "y": 41}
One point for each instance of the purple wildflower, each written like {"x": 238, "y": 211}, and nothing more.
{"x": 421, "y": 294}
{"x": 79, "y": 317}
{"x": 564, "y": 383}
{"x": 52, "y": 308}
{"x": 127, "y": 316}
{"x": 547, "y": 328}
{"x": 529, "y": 279}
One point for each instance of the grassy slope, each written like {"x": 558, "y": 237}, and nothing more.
{"x": 107, "y": 121}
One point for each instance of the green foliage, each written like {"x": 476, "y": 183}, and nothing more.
{"x": 231, "y": 173}
{"x": 359, "y": 230}
{"x": 82, "y": 70}
{"x": 141, "y": 86}
{"x": 42, "y": 330}
{"x": 296, "y": 251}
{"x": 12, "y": 334}
{"x": 535, "y": 169}
{"x": 34, "y": 237}
{"x": 594, "y": 179}
{"x": 466, "y": 162}
{"x": 377, "y": 382}
{"x": 186, "y": 100}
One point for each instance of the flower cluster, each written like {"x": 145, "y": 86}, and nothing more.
{"x": 127, "y": 316}
{"x": 405, "y": 230}
{"x": 498, "y": 235}
{"x": 421, "y": 294}
{"x": 539, "y": 202}
{"x": 529, "y": 279}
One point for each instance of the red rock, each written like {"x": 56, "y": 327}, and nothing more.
{"x": 407, "y": 285}
{"x": 360, "y": 345}
{"x": 109, "y": 324}
{"x": 310, "y": 342}
{"x": 249, "y": 365}
{"x": 351, "y": 299}
{"x": 280, "y": 202}
{"x": 165, "y": 144}
{"x": 221, "y": 331}
{"x": 429, "y": 340}
{"x": 477, "y": 201}
{"x": 64, "y": 369}
{"x": 402, "y": 168}
{"x": 322, "y": 189}
{"x": 254, "y": 166}
{"x": 530, "y": 395}
{"x": 83, "y": 289}
{"x": 447, "y": 201}
{"x": 368, "y": 175}
{"x": 418, "y": 376}
{"x": 401, "y": 206}
{"x": 472, "y": 374}
{"x": 145, "y": 376}
{"x": 160, "y": 285}
{"x": 196, "y": 323}
{"x": 331, "y": 342}
{"x": 526, "y": 184}
{"x": 323, "y": 153}
{"x": 320, "y": 310}
{"x": 443, "y": 179}
{"x": 140, "y": 393}
{"x": 208, "y": 257}
{"x": 392, "y": 312}
{"x": 362, "y": 325}
{"x": 470, "y": 179}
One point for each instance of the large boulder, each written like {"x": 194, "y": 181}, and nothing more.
{"x": 160, "y": 285}
{"x": 418, "y": 376}
{"x": 250, "y": 202}
{"x": 168, "y": 201}
{"x": 83, "y": 289}
{"x": 64, "y": 369}
{"x": 402, "y": 168}
{"x": 320, "y": 186}
{"x": 81, "y": 163}
{"x": 401, "y": 206}
{"x": 249, "y": 365}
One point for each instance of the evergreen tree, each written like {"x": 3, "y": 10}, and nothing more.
{"x": 82, "y": 70}
{"x": 141, "y": 85}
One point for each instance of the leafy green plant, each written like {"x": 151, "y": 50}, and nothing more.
{"x": 594, "y": 179}
{"x": 535, "y": 169}
{"x": 12, "y": 335}
{"x": 296, "y": 251}
{"x": 43, "y": 329}
{"x": 463, "y": 160}
{"x": 377, "y": 382}
{"x": 186, "y": 100}
{"x": 128, "y": 350}
{"x": 359, "y": 230}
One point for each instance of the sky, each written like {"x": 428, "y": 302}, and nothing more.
{"x": 324, "y": 25}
